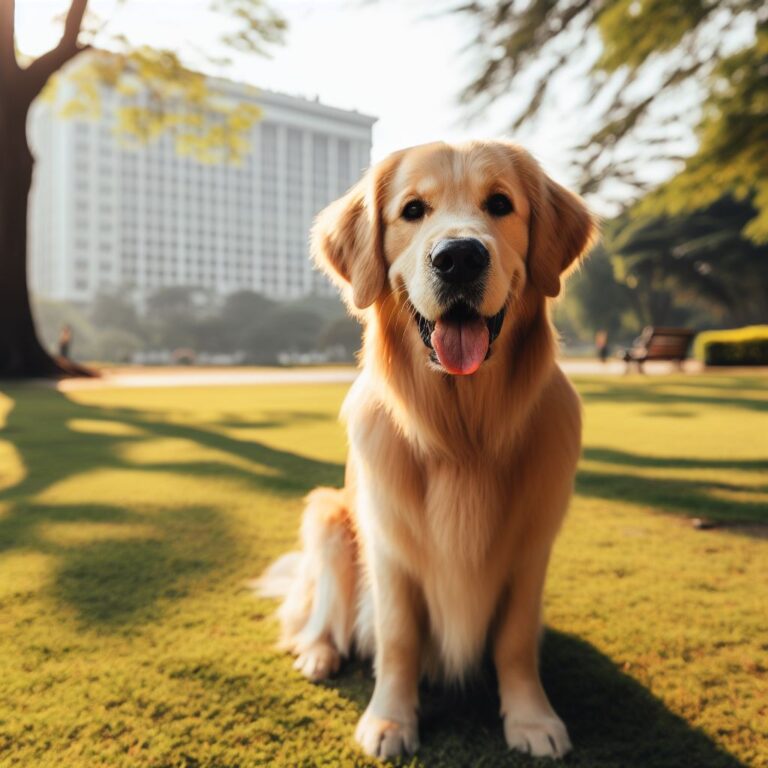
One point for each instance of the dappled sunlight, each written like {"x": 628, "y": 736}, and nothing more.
{"x": 6, "y": 404}
{"x": 708, "y": 464}
{"x": 104, "y": 427}
{"x": 80, "y": 533}
{"x": 704, "y": 592}
{"x": 131, "y": 505}
{"x": 638, "y": 419}
{"x": 678, "y": 393}
{"x": 126, "y": 546}
{"x": 127, "y": 580}
{"x": 139, "y": 489}
{"x": 726, "y": 476}
{"x": 310, "y": 441}
{"x": 160, "y": 451}
{"x": 12, "y": 469}
{"x": 737, "y": 495}
{"x": 23, "y": 574}
{"x": 669, "y": 496}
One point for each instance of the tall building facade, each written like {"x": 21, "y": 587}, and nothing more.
{"x": 108, "y": 217}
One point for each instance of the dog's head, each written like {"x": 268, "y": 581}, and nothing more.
{"x": 457, "y": 233}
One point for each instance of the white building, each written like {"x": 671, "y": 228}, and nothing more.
{"x": 107, "y": 217}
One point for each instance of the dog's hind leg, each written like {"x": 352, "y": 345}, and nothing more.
{"x": 318, "y": 586}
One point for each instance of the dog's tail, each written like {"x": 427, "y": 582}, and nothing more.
{"x": 317, "y": 585}
{"x": 276, "y": 581}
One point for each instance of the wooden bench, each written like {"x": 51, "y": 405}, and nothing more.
{"x": 659, "y": 344}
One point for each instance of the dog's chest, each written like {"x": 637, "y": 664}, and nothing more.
{"x": 463, "y": 521}
{"x": 462, "y": 509}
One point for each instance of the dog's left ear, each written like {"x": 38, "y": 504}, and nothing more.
{"x": 561, "y": 231}
{"x": 348, "y": 239}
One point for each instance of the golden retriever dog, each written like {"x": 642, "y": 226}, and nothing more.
{"x": 463, "y": 438}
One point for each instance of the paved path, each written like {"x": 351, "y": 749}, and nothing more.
{"x": 209, "y": 377}
{"x": 214, "y": 377}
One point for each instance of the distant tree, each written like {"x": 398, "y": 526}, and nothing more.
{"x": 672, "y": 264}
{"x": 597, "y": 301}
{"x": 178, "y": 101}
{"x": 176, "y": 315}
{"x": 654, "y": 70}
{"x": 114, "y": 310}
{"x": 344, "y": 332}
{"x": 241, "y": 317}
{"x": 296, "y": 329}
{"x": 116, "y": 345}
{"x": 733, "y": 143}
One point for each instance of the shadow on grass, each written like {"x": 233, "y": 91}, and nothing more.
{"x": 613, "y": 721}
{"x": 679, "y": 392}
{"x": 115, "y": 582}
{"x": 276, "y": 419}
{"x": 693, "y": 498}
{"x": 612, "y": 456}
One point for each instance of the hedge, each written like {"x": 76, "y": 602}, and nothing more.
{"x": 738, "y": 346}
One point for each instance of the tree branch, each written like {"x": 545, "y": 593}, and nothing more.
{"x": 40, "y": 71}
{"x": 8, "y": 62}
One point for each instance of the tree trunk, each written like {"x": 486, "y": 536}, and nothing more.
{"x": 21, "y": 353}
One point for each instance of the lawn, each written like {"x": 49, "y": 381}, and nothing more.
{"x": 131, "y": 520}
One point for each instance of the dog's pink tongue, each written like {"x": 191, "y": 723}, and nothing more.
{"x": 461, "y": 346}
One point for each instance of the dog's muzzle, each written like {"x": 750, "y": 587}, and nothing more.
{"x": 461, "y": 338}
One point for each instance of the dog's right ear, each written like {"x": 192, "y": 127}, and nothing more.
{"x": 348, "y": 239}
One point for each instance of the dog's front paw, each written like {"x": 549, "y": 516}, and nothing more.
{"x": 384, "y": 738}
{"x": 541, "y": 737}
{"x": 319, "y": 661}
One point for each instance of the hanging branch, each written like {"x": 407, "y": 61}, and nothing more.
{"x": 40, "y": 71}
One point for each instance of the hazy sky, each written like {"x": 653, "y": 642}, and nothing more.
{"x": 384, "y": 58}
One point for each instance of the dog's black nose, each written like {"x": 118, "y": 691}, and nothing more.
{"x": 460, "y": 259}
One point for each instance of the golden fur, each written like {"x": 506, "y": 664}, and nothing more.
{"x": 456, "y": 486}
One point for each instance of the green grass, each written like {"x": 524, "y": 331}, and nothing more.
{"x": 130, "y": 521}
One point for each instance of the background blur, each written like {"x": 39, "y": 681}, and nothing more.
{"x": 160, "y": 165}
{"x": 180, "y": 162}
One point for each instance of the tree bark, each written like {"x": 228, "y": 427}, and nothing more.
{"x": 21, "y": 353}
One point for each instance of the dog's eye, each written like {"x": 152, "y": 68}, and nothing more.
{"x": 498, "y": 205}
{"x": 414, "y": 210}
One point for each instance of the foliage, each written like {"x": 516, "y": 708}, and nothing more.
{"x": 648, "y": 66}
{"x": 114, "y": 310}
{"x": 132, "y": 520}
{"x": 258, "y": 27}
{"x": 738, "y": 346}
{"x": 159, "y": 94}
{"x": 733, "y": 151}
{"x": 245, "y": 324}
{"x": 673, "y": 265}
{"x": 595, "y": 301}
{"x": 177, "y": 316}
{"x": 694, "y": 269}
{"x": 344, "y": 332}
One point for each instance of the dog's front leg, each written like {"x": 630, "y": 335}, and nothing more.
{"x": 389, "y": 726}
{"x": 530, "y": 723}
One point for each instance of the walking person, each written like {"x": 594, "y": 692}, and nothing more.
{"x": 65, "y": 341}
{"x": 601, "y": 345}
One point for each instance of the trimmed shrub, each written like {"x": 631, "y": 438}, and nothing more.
{"x": 738, "y": 346}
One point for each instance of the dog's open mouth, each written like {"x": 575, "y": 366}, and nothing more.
{"x": 461, "y": 338}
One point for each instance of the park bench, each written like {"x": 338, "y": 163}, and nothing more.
{"x": 659, "y": 344}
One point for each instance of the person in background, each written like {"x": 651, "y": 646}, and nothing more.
{"x": 65, "y": 341}
{"x": 601, "y": 345}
